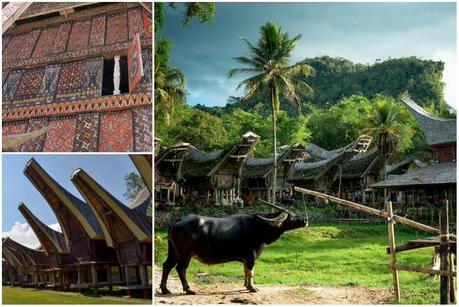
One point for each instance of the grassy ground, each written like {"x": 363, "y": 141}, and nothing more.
{"x": 344, "y": 255}
{"x": 17, "y": 295}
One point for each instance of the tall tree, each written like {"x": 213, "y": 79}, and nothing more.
{"x": 268, "y": 62}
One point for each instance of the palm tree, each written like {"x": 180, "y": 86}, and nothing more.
{"x": 268, "y": 63}
{"x": 384, "y": 126}
{"x": 169, "y": 89}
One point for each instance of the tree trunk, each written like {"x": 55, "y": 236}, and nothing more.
{"x": 273, "y": 182}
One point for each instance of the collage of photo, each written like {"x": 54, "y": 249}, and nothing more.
{"x": 156, "y": 153}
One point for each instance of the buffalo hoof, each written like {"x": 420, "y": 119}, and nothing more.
{"x": 165, "y": 291}
{"x": 252, "y": 289}
{"x": 190, "y": 292}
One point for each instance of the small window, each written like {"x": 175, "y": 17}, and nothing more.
{"x": 107, "y": 83}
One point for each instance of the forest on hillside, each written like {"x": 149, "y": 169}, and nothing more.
{"x": 343, "y": 103}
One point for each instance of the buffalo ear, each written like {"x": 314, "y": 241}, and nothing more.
{"x": 277, "y": 221}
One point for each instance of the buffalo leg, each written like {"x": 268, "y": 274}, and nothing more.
{"x": 246, "y": 281}
{"x": 181, "y": 270}
{"x": 167, "y": 267}
{"x": 249, "y": 267}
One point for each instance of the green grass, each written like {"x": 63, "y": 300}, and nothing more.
{"x": 339, "y": 255}
{"x": 17, "y": 295}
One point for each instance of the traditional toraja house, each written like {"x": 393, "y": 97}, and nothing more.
{"x": 362, "y": 170}
{"x": 432, "y": 183}
{"x": 34, "y": 262}
{"x": 95, "y": 263}
{"x": 210, "y": 177}
{"x": 9, "y": 272}
{"x": 83, "y": 70}
{"x": 54, "y": 246}
{"x": 324, "y": 167}
{"x": 168, "y": 173}
{"x": 128, "y": 231}
{"x": 257, "y": 173}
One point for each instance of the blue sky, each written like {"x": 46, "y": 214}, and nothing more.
{"x": 108, "y": 170}
{"x": 361, "y": 32}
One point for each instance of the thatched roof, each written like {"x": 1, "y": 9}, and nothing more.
{"x": 434, "y": 174}
{"x": 35, "y": 256}
{"x": 436, "y": 130}
{"x": 323, "y": 161}
{"x": 359, "y": 165}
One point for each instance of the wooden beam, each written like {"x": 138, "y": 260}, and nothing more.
{"x": 11, "y": 12}
{"x": 372, "y": 211}
{"x": 444, "y": 255}
{"x": 393, "y": 258}
{"x": 422, "y": 270}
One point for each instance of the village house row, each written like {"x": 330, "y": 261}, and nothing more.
{"x": 77, "y": 76}
{"x": 103, "y": 242}
{"x": 184, "y": 173}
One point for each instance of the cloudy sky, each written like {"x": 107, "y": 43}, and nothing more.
{"x": 108, "y": 170}
{"x": 361, "y": 32}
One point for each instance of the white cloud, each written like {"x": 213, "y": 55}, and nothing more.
{"x": 23, "y": 233}
{"x": 449, "y": 75}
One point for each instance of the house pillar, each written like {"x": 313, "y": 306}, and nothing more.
{"x": 116, "y": 76}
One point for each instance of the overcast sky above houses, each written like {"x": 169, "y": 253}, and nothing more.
{"x": 108, "y": 170}
{"x": 360, "y": 32}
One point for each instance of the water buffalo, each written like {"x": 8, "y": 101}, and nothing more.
{"x": 238, "y": 237}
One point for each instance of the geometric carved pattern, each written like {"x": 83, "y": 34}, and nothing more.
{"x": 35, "y": 144}
{"x": 74, "y": 107}
{"x": 13, "y": 130}
{"x": 61, "y": 38}
{"x": 72, "y": 80}
{"x": 116, "y": 28}
{"x": 60, "y": 135}
{"x": 79, "y": 36}
{"x": 46, "y": 42}
{"x": 11, "y": 84}
{"x": 135, "y": 22}
{"x": 142, "y": 129}
{"x": 21, "y": 46}
{"x": 49, "y": 82}
{"x": 87, "y": 132}
{"x": 146, "y": 82}
{"x": 116, "y": 132}
{"x": 29, "y": 86}
{"x": 94, "y": 74}
{"x": 97, "y": 36}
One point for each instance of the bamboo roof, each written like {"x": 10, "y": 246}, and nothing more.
{"x": 436, "y": 130}
{"x": 50, "y": 239}
{"x": 102, "y": 202}
{"x": 362, "y": 163}
{"x": 60, "y": 199}
{"x": 434, "y": 174}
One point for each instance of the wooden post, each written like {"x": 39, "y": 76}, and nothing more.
{"x": 393, "y": 258}
{"x": 444, "y": 254}
{"x": 452, "y": 279}
{"x": 109, "y": 278}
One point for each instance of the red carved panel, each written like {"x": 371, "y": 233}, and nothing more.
{"x": 29, "y": 86}
{"x": 45, "y": 42}
{"x": 116, "y": 132}
{"x": 61, "y": 38}
{"x": 79, "y": 36}
{"x": 97, "y": 36}
{"x": 135, "y": 21}
{"x": 37, "y": 143}
{"x": 116, "y": 28}
{"x": 21, "y": 46}
{"x": 13, "y": 130}
{"x": 72, "y": 79}
{"x": 60, "y": 135}
{"x": 86, "y": 138}
{"x": 142, "y": 129}
{"x": 445, "y": 153}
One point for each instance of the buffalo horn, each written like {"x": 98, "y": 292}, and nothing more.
{"x": 277, "y": 207}
{"x": 277, "y": 221}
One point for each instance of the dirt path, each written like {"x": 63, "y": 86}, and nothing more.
{"x": 235, "y": 294}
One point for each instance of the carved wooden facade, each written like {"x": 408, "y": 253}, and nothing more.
{"x": 58, "y": 73}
